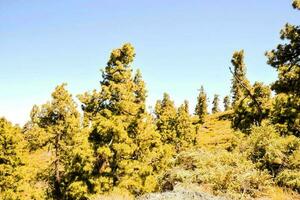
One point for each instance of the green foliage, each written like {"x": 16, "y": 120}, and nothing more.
{"x": 79, "y": 167}
{"x": 226, "y": 102}
{"x": 61, "y": 121}
{"x": 216, "y": 133}
{"x": 11, "y": 161}
{"x": 201, "y": 105}
{"x": 215, "y": 108}
{"x": 289, "y": 178}
{"x": 140, "y": 91}
{"x": 224, "y": 172}
{"x": 279, "y": 155}
{"x": 285, "y": 59}
{"x": 165, "y": 113}
{"x": 35, "y": 136}
{"x": 185, "y": 132}
{"x": 120, "y": 148}
{"x": 296, "y": 4}
{"x": 239, "y": 76}
{"x": 127, "y": 148}
{"x": 285, "y": 114}
{"x": 252, "y": 110}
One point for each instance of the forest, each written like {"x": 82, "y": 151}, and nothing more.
{"x": 112, "y": 147}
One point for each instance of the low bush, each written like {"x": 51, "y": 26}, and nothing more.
{"x": 279, "y": 155}
{"x": 225, "y": 173}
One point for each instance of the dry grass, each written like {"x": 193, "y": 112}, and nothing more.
{"x": 216, "y": 133}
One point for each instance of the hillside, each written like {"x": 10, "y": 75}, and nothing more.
{"x": 105, "y": 143}
{"x": 217, "y": 153}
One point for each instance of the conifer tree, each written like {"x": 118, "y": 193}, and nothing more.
{"x": 61, "y": 121}
{"x": 226, "y": 102}
{"x": 126, "y": 145}
{"x": 11, "y": 161}
{"x": 140, "y": 91}
{"x": 239, "y": 76}
{"x": 165, "y": 113}
{"x": 185, "y": 132}
{"x": 35, "y": 136}
{"x": 253, "y": 108}
{"x": 296, "y": 4}
{"x": 201, "y": 105}
{"x": 79, "y": 167}
{"x": 215, "y": 108}
{"x": 285, "y": 59}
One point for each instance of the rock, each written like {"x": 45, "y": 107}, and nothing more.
{"x": 180, "y": 194}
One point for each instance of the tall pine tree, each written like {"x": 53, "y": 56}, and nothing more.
{"x": 226, "y": 102}
{"x": 215, "y": 108}
{"x": 239, "y": 76}
{"x": 286, "y": 60}
{"x": 185, "y": 131}
{"x": 126, "y": 145}
{"x": 165, "y": 113}
{"x": 201, "y": 105}
{"x": 60, "y": 119}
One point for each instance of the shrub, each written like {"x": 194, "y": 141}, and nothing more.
{"x": 224, "y": 172}
{"x": 279, "y": 155}
{"x": 289, "y": 178}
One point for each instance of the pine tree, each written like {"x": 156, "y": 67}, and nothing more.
{"x": 201, "y": 105}
{"x": 185, "y": 131}
{"x": 165, "y": 113}
{"x": 285, "y": 59}
{"x": 140, "y": 91}
{"x": 296, "y": 4}
{"x": 239, "y": 76}
{"x": 215, "y": 108}
{"x": 11, "y": 161}
{"x": 35, "y": 136}
{"x": 226, "y": 102}
{"x": 126, "y": 145}
{"x": 253, "y": 108}
{"x": 79, "y": 167}
{"x": 61, "y": 121}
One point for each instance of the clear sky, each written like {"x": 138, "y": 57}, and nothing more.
{"x": 180, "y": 45}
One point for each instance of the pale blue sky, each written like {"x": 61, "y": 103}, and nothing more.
{"x": 180, "y": 45}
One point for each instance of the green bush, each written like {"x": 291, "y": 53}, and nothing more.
{"x": 227, "y": 173}
{"x": 289, "y": 178}
{"x": 279, "y": 155}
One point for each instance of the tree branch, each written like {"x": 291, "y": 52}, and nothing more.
{"x": 240, "y": 82}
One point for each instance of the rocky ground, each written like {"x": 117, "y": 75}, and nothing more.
{"x": 180, "y": 194}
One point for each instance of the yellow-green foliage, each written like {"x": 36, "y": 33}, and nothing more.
{"x": 79, "y": 167}
{"x": 215, "y": 103}
{"x": 185, "y": 131}
{"x": 222, "y": 171}
{"x": 224, "y": 153}
{"x": 11, "y": 161}
{"x": 119, "y": 150}
{"x": 285, "y": 59}
{"x": 226, "y": 102}
{"x": 280, "y": 155}
{"x": 201, "y": 105}
{"x": 217, "y": 133}
{"x": 61, "y": 121}
{"x": 165, "y": 113}
{"x": 296, "y": 4}
{"x": 128, "y": 151}
{"x": 253, "y": 108}
{"x": 239, "y": 76}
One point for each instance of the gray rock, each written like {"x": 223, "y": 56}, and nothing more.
{"x": 180, "y": 195}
